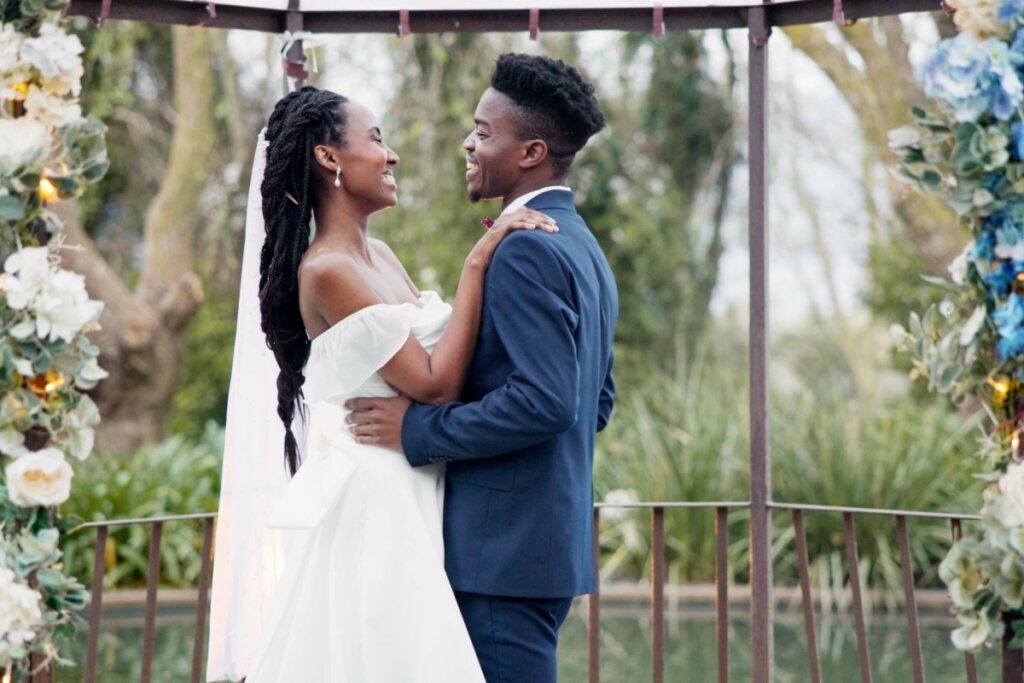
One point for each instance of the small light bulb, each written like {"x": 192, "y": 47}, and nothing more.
{"x": 1000, "y": 386}
{"x": 47, "y": 190}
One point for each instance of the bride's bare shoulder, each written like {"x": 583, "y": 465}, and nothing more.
{"x": 333, "y": 285}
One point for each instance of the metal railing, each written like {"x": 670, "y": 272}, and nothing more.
{"x": 859, "y": 605}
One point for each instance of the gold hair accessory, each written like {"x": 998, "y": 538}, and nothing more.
{"x": 292, "y": 199}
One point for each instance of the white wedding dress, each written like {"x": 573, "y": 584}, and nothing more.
{"x": 363, "y": 597}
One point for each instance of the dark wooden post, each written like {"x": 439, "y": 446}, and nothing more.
{"x": 760, "y": 455}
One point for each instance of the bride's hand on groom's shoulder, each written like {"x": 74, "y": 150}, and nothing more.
{"x": 520, "y": 219}
{"x": 523, "y": 219}
{"x": 377, "y": 421}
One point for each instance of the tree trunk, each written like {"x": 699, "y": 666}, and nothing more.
{"x": 141, "y": 335}
{"x": 881, "y": 93}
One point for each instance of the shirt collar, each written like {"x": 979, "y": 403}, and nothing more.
{"x": 522, "y": 201}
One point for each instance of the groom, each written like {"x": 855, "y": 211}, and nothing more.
{"x": 519, "y": 448}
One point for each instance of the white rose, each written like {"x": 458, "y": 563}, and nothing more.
{"x": 23, "y": 142}
{"x": 978, "y": 18}
{"x": 19, "y": 609}
{"x": 39, "y": 478}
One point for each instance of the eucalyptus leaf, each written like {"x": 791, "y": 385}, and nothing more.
{"x": 11, "y": 208}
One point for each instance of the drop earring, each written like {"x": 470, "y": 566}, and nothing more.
{"x": 337, "y": 176}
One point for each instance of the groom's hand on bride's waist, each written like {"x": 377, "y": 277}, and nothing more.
{"x": 377, "y": 421}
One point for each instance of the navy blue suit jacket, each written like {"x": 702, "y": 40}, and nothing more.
{"x": 518, "y": 515}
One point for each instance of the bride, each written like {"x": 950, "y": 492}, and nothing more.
{"x": 362, "y": 596}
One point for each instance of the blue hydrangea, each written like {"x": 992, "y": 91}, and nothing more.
{"x": 1001, "y": 276}
{"x": 1017, "y": 132}
{"x": 1007, "y": 225}
{"x": 1009, "y": 11}
{"x": 984, "y": 246}
{"x": 1009, "y": 320}
{"x": 974, "y": 78}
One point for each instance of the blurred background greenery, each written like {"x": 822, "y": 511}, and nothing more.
{"x": 663, "y": 189}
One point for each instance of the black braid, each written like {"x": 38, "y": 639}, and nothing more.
{"x": 300, "y": 121}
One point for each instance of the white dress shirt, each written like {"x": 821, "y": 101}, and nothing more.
{"x": 520, "y": 202}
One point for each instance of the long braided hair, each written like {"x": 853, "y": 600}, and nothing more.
{"x": 300, "y": 121}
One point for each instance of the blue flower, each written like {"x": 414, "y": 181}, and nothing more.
{"x": 1017, "y": 149}
{"x": 1001, "y": 277}
{"x": 974, "y": 78}
{"x": 1010, "y": 10}
{"x": 1009, "y": 320}
{"x": 984, "y": 246}
{"x": 1007, "y": 226}
{"x": 1017, "y": 46}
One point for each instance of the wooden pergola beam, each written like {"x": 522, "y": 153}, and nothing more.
{"x": 188, "y": 12}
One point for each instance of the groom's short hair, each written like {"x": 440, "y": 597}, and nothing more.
{"x": 552, "y": 103}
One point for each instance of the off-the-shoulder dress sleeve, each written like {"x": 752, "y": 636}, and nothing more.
{"x": 342, "y": 358}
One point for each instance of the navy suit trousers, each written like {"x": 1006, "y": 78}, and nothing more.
{"x": 515, "y": 638}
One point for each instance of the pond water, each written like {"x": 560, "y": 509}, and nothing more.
{"x": 690, "y": 654}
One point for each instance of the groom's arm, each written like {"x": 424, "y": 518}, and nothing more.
{"x": 528, "y": 291}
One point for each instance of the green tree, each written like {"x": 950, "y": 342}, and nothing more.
{"x": 669, "y": 147}
{"x": 157, "y": 236}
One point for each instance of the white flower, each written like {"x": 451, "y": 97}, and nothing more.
{"x": 39, "y": 478}
{"x": 978, "y": 18}
{"x": 26, "y": 272}
{"x": 23, "y": 143}
{"x": 79, "y": 424}
{"x": 51, "y": 109}
{"x": 958, "y": 268}
{"x": 63, "y": 307}
{"x": 19, "y": 609}
{"x": 57, "y": 56}
{"x": 55, "y": 297}
{"x": 971, "y": 327}
{"x": 1011, "y": 486}
{"x": 973, "y": 632}
{"x": 12, "y": 443}
{"x": 10, "y": 46}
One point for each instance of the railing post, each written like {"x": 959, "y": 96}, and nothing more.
{"x": 594, "y": 609}
{"x": 761, "y": 606}
{"x": 152, "y": 584}
{"x": 658, "y": 594}
{"x": 1013, "y": 658}
{"x": 99, "y": 568}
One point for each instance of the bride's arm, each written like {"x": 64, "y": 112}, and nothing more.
{"x": 438, "y": 377}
